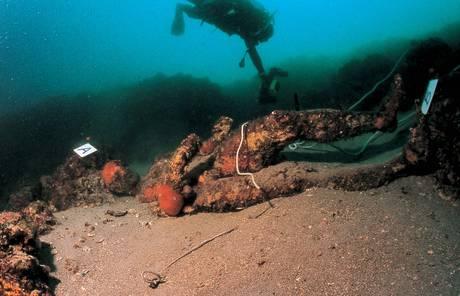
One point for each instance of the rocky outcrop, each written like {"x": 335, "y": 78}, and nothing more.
{"x": 20, "y": 271}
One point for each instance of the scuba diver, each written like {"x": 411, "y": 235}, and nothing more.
{"x": 245, "y": 18}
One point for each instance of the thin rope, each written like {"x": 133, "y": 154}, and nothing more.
{"x": 379, "y": 82}
{"x": 371, "y": 139}
{"x": 238, "y": 156}
{"x": 154, "y": 279}
{"x": 198, "y": 246}
{"x": 363, "y": 148}
{"x": 300, "y": 144}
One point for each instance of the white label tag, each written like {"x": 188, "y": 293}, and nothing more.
{"x": 85, "y": 150}
{"x": 429, "y": 94}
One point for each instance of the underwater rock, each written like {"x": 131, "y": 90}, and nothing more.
{"x": 11, "y": 288}
{"x": 24, "y": 196}
{"x": 355, "y": 78}
{"x": 20, "y": 271}
{"x": 116, "y": 213}
{"x": 40, "y": 215}
{"x": 118, "y": 179}
{"x": 424, "y": 60}
{"x": 87, "y": 181}
{"x": 434, "y": 144}
{"x": 21, "y": 274}
{"x": 74, "y": 181}
{"x": 14, "y": 228}
{"x": 416, "y": 150}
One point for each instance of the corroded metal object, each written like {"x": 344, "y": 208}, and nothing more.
{"x": 210, "y": 167}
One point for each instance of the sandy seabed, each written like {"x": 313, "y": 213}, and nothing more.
{"x": 400, "y": 239}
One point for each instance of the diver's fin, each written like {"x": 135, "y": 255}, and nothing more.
{"x": 178, "y": 25}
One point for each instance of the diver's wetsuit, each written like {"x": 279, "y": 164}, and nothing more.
{"x": 241, "y": 17}
{"x": 245, "y": 18}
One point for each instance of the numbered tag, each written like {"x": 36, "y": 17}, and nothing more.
{"x": 85, "y": 150}
{"x": 429, "y": 94}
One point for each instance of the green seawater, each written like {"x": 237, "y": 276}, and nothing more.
{"x": 110, "y": 72}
